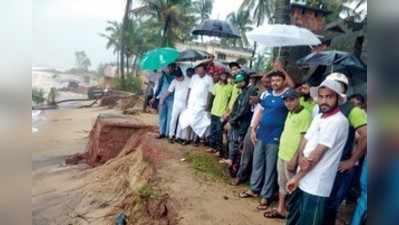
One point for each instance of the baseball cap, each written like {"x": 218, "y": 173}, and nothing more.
{"x": 240, "y": 77}
{"x": 290, "y": 93}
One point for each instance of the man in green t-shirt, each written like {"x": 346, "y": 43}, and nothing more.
{"x": 306, "y": 100}
{"x": 296, "y": 124}
{"x": 222, "y": 93}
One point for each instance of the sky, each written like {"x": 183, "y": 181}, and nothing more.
{"x": 61, "y": 27}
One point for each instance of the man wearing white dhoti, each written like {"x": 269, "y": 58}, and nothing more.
{"x": 196, "y": 115}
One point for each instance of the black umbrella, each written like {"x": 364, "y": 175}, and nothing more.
{"x": 192, "y": 55}
{"x": 323, "y": 63}
{"x": 332, "y": 58}
{"x": 216, "y": 28}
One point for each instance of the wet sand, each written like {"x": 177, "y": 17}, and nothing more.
{"x": 60, "y": 134}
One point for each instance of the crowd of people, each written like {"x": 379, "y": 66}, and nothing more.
{"x": 303, "y": 145}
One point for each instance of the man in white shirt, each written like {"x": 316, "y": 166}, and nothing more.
{"x": 319, "y": 157}
{"x": 179, "y": 86}
{"x": 196, "y": 115}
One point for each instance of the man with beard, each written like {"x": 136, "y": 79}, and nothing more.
{"x": 319, "y": 155}
{"x": 306, "y": 100}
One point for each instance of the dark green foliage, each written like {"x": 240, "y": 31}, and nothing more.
{"x": 38, "y": 95}
{"x": 130, "y": 84}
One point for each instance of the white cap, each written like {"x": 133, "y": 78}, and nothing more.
{"x": 338, "y": 77}
{"x": 332, "y": 85}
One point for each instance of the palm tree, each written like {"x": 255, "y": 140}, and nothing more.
{"x": 241, "y": 21}
{"x": 114, "y": 37}
{"x": 203, "y": 8}
{"x": 175, "y": 17}
{"x": 123, "y": 50}
{"x": 141, "y": 37}
{"x": 259, "y": 9}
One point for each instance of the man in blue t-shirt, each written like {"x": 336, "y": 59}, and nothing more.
{"x": 267, "y": 126}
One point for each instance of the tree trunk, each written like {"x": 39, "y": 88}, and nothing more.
{"x": 253, "y": 55}
{"x": 122, "y": 65}
{"x": 134, "y": 65}
{"x": 123, "y": 41}
{"x": 282, "y": 16}
{"x": 164, "y": 35}
{"x": 118, "y": 66}
{"x": 127, "y": 66}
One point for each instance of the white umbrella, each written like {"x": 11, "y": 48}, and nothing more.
{"x": 280, "y": 35}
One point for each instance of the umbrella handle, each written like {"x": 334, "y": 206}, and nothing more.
{"x": 278, "y": 53}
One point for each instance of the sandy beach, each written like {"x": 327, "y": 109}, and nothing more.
{"x": 60, "y": 133}
{"x": 62, "y": 194}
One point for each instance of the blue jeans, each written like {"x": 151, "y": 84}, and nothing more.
{"x": 165, "y": 114}
{"x": 264, "y": 171}
{"x": 361, "y": 207}
{"x": 216, "y": 134}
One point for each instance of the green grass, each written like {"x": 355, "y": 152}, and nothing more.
{"x": 206, "y": 164}
{"x": 147, "y": 191}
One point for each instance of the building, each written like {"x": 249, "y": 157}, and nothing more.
{"x": 221, "y": 53}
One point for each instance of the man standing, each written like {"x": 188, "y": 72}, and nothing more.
{"x": 295, "y": 126}
{"x": 179, "y": 87}
{"x": 320, "y": 152}
{"x": 244, "y": 172}
{"x": 196, "y": 116}
{"x": 351, "y": 154}
{"x": 222, "y": 92}
{"x": 165, "y": 109}
{"x": 268, "y": 123}
{"x": 239, "y": 120}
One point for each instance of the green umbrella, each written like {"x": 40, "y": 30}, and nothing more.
{"x": 158, "y": 58}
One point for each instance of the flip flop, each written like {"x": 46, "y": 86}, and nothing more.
{"x": 263, "y": 205}
{"x": 246, "y": 194}
{"x": 274, "y": 214}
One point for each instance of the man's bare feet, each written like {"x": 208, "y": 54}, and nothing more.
{"x": 227, "y": 162}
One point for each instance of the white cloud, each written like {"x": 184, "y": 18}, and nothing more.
{"x": 221, "y": 8}
{"x": 85, "y": 9}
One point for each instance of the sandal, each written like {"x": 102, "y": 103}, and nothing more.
{"x": 274, "y": 214}
{"x": 263, "y": 205}
{"x": 211, "y": 150}
{"x": 247, "y": 194}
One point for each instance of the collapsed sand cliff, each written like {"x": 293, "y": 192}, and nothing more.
{"x": 124, "y": 158}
